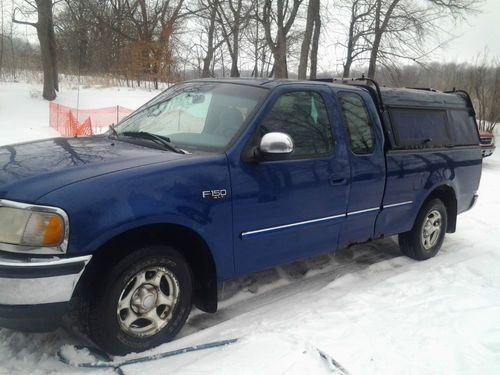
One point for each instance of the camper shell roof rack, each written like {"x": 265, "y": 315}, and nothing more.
{"x": 372, "y": 86}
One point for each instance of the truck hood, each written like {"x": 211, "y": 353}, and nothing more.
{"x": 30, "y": 170}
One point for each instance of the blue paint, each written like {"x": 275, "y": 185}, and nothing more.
{"x": 289, "y": 209}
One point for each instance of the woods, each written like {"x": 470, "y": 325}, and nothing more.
{"x": 168, "y": 40}
{"x": 139, "y": 42}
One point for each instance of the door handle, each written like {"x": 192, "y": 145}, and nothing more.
{"x": 337, "y": 181}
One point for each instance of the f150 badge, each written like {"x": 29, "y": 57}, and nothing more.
{"x": 214, "y": 194}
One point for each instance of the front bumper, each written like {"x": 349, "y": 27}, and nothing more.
{"x": 36, "y": 292}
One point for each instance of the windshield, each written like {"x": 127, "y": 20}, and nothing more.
{"x": 196, "y": 116}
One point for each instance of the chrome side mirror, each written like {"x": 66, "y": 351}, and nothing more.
{"x": 275, "y": 144}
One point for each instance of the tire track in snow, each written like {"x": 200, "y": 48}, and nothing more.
{"x": 285, "y": 282}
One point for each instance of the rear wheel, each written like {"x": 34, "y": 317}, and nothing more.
{"x": 143, "y": 302}
{"x": 424, "y": 240}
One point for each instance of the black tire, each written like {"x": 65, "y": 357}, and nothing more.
{"x": 417, "y": 243}
{"x": 126, "y": 282}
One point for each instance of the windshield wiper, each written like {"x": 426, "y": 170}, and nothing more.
{"x": 159, "y": 139}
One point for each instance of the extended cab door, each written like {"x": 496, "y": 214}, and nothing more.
{"x": 365, "y": 142}
{"x": 292, "y": 208}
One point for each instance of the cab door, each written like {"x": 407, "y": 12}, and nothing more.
{"x": 365, "y": 143}
{"x": 288, "y": 209}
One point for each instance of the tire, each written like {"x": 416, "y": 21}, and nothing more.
{"x": 424, "y": 240}
{"x": 142, "y": 302}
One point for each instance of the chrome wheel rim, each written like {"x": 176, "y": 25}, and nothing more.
{"x": 147, "y": 302}
{"x": 431, "y": 229}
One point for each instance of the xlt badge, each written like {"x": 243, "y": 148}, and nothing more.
{"x": 214, "y": 194}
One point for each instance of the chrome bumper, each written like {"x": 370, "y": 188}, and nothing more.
{"x": 34, "y": 281}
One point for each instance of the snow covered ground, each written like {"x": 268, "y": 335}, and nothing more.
{"x": 24, "y": 114}
{"x": 371, "y": 309}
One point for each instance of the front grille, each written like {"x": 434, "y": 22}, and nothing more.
{"x": 485, "y": 141}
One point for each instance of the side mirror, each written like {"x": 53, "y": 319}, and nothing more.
{"x": 275, "y": 146}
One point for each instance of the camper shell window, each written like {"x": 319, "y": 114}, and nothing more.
{"x": 428, "y": 119}
{"x": 420, "y": 127}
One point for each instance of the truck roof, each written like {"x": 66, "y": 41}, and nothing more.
{"x": 269, "y": 82}
{"x": 408, "y": 97}
{"x": 391, "y": 96}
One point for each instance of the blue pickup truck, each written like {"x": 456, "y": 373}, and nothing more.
{"x": 213, "y": 179}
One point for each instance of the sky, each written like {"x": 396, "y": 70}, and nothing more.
{"x": 461, "y": 41}
{"x": 479, "y": 32}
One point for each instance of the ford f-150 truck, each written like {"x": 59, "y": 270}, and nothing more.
{"x": 213, "y": 179}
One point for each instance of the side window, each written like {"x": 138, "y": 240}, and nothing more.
{"x": 420, "y": 127}
{"x": 463, "y": 129}
{"x": 358, "y": 123}
{"x": 303, "y": 116}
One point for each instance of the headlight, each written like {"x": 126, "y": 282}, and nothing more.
{"x": 25, "y": 227}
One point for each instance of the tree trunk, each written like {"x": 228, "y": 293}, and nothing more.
{"x": 350, "y": 43}
{"x": 232, "y": 21}
{"x": 372, "y": 67}
{"x": 280, "y": 61}
{"x": 306, "y": 42}
{"x": 256, "y": 42}
{"x": 315, "y": 44}
{"x": 46, "y": 36}
{"x": 1, "y": 40}
{"x": 12, "y": 51}
{"x": 347, "y": 68}
{"x": 278, "y": 18}
{"x": 380, "y": 29}
{"x": 236, "y": 49}
{"x": 207, "y": 61}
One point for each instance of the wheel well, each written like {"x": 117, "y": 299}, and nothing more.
{"x": 447, "y": 195}
{"x": 183, "y": 239}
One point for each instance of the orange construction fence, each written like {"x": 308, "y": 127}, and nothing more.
{"x": 71, "y": 121}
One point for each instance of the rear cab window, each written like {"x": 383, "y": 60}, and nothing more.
{"x": 357, "y": 121}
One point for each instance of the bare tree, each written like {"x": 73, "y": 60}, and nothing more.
{"x": 208, "y": 11}
{"x": 313, "y": 16}
{"x": 258, "y": 50}
{"x": 381, "y": 22}
{"x": 80, "y": 39}
{"x": 315, "y": 43}
{"x": 415, "y": 19}
{"x": 145, "y": 29}
{"x": 154, "y": 25}
{"x": 388, "y": 31}
{"x": 12, "y": 51}
{"x": 274, "y": 16}
{"x": 483, "y": 83}
{"x": 358, "y": 30}
{"x": 211, "y": 47}
{"x": 234, "y": 15}
{"x": 46, "y": 36}
{"x": 256, "y": 43}
{"x": 1, "y": 37}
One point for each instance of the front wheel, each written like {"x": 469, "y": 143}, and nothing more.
{"x": 143, "y": 302}
{"x": 424, "y": 240}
